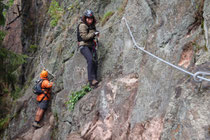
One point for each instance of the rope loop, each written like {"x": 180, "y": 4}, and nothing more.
{"x": 200, "y": 76}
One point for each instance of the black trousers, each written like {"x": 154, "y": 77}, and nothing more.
{"x": 92, "y": 62}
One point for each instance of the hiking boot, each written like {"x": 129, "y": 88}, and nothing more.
{"x": 36, "y": 125}
{"x": 94, "y": 82}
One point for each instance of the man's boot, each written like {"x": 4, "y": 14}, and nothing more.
{"x": 94, "y": 82}
{"x": 36, "y": 125}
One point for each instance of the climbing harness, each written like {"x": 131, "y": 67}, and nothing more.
{"x": 198, "y": 76}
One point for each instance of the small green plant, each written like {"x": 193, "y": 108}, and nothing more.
{"x": 10, "y": 3}
{"x": 4, "y": 13}
{"x": 55, "y": 12}
{"x": 75, "y": 96}
{"x": 16, "y": 93}
{"x": 2, "y": 35}
{"x": 6, "y": 90}
{"x": 4, "y": 122}
{"x": 122, "y": 7}
{"x": 74, "y": 6}
{"x": 33, "y": 48}
{"x": 106, "y": 17}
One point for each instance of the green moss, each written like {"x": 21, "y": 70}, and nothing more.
{"x": 75, "y": 96}
{"x": 55, "y": 12}
{"x": 106, "y": 17}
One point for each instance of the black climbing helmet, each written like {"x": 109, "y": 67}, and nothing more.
{"x": 89, "y": 14}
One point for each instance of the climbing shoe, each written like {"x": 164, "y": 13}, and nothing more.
{"x": 36, "y": 125}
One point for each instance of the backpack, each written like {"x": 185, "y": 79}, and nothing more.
{"x": 37, "y": 87}
{"x": 79, "y": 38}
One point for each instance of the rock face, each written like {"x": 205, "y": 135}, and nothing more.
{"x": 139, "y": 98}
{"x": 14, "y": 28}
{"x": 206, "y": 22}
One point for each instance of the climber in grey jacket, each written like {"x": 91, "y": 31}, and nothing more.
{"x": 86, "y": 32}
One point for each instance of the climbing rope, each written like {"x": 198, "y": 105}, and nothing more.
{"x": 198, "y": 76}
{"x": 41, "y": 62}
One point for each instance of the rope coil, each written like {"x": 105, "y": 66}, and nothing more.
{"x": 198, "y": 76}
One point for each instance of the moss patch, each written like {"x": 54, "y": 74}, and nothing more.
{"x": 106, "y": 17}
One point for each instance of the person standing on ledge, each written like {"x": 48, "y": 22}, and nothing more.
{"x": 86, "y": 33}
{"x": 43, "y": 99}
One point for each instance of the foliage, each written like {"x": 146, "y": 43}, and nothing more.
{"x": 10, "y": 3}
{"x": 2, "y": 17}
{"x": 122, "y": 7}
{"x": 106, "y": 17}
{"x": 33, "y": 48}
{"x": 75, "y": 96}
{"x": 16, "y": 93}
{"x": 9, "y": 62}
{"x": 74, "y": 6}
{"x": 4, "y": 122}
{"x": 2, "y": 35}
{"x": 55, "y": 12}
{"x": 3, "y": 10}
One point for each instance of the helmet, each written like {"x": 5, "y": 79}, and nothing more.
{"x": 88, "y": 13}
{"x": 44, "y": 74}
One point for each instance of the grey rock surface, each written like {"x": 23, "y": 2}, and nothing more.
{"x": 139, "y": 97}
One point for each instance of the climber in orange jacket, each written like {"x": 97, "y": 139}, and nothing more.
{"x": 43, "y": 99}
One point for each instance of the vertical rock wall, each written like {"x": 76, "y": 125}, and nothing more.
{"x": 139, "y": 97}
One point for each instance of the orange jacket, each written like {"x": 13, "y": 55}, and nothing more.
{"x": 46, "y": 87}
